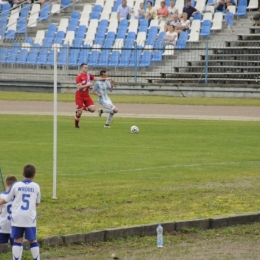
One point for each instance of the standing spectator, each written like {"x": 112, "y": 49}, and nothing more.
{"x": 26, "y": 197}
{"x": 171, "y": 36}
{"x": 229, "y": 20}
{"x": 123, "y": 11}
{"x": 140, "y": 12}
{"x": 172, "y": 9}
{"x": 184, "y": 24}
{"x": 100, "y": 89}
{"x": 162, "y": 12}
{"x": 150, "y": 12}
{"x": 190, "y": 10}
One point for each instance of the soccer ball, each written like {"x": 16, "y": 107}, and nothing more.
{"x": 134, "y": 129}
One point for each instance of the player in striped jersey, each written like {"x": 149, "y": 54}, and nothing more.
{"x": 100, "y": 89}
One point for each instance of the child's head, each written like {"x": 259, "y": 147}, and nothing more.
{"x": 10, "y": 180}
{"x": 227, "y": 10}
{"x": 29, "y": 171}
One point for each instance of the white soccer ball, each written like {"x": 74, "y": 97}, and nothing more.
{"x": 134, "y": 129}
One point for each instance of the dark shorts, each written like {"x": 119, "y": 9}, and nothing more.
{"x": 256, "y": 17}
{"x": 5, "y": 238}
{"x": 18, "y": 232}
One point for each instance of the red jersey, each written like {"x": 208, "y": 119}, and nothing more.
{"x": 83, "y": 79}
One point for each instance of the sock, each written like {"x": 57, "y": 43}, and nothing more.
{"x": 77, "y": 118}
{"x": 108, "y": 111}
{"x": 16, "y": 250}
{"x": 109, "y": 118}
{"x": 35, "y": 250}
{"x": 21, "y": 252}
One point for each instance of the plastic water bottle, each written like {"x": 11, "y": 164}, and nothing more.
{"x": 159, "y": 231}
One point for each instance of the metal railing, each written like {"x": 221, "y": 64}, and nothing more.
{"x": 198, "y": 62}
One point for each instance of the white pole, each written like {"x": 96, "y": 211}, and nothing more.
{"x": 55, "y": 125}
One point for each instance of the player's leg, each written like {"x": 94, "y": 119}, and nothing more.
{"x": 79, "y": 109}
{"x": 17, "y": 235}
{"x": 110, "y": 109}
{"x": 30, "y": 235}
{"x": 89, "y": 103}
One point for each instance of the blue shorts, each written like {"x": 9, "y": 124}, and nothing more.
{"x": 18, "y": 232}
{"x": 5, "y": 238}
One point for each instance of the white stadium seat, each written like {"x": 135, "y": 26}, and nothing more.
{"x": 55, "y": 9}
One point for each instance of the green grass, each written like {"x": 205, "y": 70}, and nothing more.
{"x": 29, "y": 96}
{"x": 171, "y": 170}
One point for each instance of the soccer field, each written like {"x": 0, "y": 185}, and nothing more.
{"x": 171, "y": 170}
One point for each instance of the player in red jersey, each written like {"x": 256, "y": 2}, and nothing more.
{"x": 83, "y": 101}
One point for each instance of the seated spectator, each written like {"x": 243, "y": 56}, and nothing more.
{"x": 174, "y": 21}
{"x": 150, "y": 12}
{"x": 190, "y": 10}
{"x": 123, "y": 11}
{"x": 220, "y": 6}
{"x": 228, "y": 3}
{"x": 162, "y": 12}
{"x": 184, "y": 24}
{"x": 140, "y": 12}
{"x": 172, "y": 9}
{"x": 256, "y": 18}
{"x": 171, "y": 36}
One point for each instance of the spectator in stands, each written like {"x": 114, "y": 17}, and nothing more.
{"x": 150, "y": 12}
{"x": 184, "y": 24}
{"x": 171, "y": 36}
{"x": 174, "y": 21}
{"x": 228, "y": 3}
{"x": 140, "y": 12}
{"x": 220, "y": 6}
{"x": 256, "y": 18}
{"x": 229, "y": 20}
{"x": 162, "y": 12}
{"x": 172, "y": 9}
{"x": 190, "y": 10}
{"x": 123, "y": 11}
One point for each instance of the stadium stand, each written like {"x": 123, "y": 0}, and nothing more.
{"x": 91, "y": 33}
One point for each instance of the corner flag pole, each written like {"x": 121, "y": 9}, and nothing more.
{"x": 55, "y": 125}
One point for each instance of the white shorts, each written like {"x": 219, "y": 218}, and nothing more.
{"x": 108, "y": 105}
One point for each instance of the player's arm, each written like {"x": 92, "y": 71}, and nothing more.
{"x": 112, "y": 84}
{"x": 94, "y": 91}
{"x": 2, "y": 202}
{"x": 80, "y": 86}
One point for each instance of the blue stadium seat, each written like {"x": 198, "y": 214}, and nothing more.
{"x": 149, "y": 42}
{"x": 3, "y": 54}
{"x": 114, "y": 59}
{"x": 197, "y": 16}
{"x": 205, "y": 31}
{"x": 44, "y": 12}
{"x": 121, "y": 34}
{"x": 131, "y": 35}
{"x": 72, "y": 27}
{"x": 74, "y": 55}
{"x": 80, "y": 35}
{"x": 32, "y": 58}
{"x": 24, "y": 12}
{"x": 22, "y": 56}
{"x": 125, "y": 58}
{"x": 62, "y": 59}
{"x": 42, "y": 59}
{"x": 75, "y": 15}
{"x": 123, "y": 23}
{"x": 97, "y": 8}
{"x": 101, "y": 33}
{"x": 65, "y": 3}
{"x": 13, "y": 53}
{"x": 50, "y": 34}
{"x": 210, "y": 2}
{"x": 60, "y": 34}
{"x": 144, "y": 22}
{"x": 21, "y": 26}
{"x": 115, "y": 7}
{"x": 104, "y": 57}
{"x": 111, "y": 35}
{"x": 82, "y": 28}
{"x": 74, "y": 22}
{"x": 99, "y": 41}
{"x": 10, "y": 35}
{"x": 242, "y": 3}
{"x": 103, "y": 23}
{"x": 241, "y": 10}
{"x": 77, "y": 42}
{"x": 83, "y": 56}
{"x": 48, "y": 40}
{"x": 35, "y": 48}
{"x": 142, "y": 29}
{"x": 52, "y": 27}
{"x": 6, "y": 7}
{"x": 28, "y": 40}
{"x": 94, "y": 15}
{"x": 129, "y": 43}
{"x": 50, "y": 59}
{"x": 108, "y": 43}
{"x": 206, "y": 23}
{"x": 136, "y": 57}
{"x": 93, "y": 58}
{"x": 157, "y": 55}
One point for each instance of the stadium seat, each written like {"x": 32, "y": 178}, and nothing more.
{"x": 32, "y": 58}
{"x": 169, "y": 50}
{"x": 21, "y": 26}
{"x": 253, "y": 4}
{"x": 84, "y": 54}
{"x": 97, "y": 9}
{"x": 157, "y": 55}
{"x": 3, "y": 54}
{"x": 22, "y": 56}
{"x": 42, "y": 59}
{"x": 194, "y": 37}
{"x": 146, "y": 59}
{"x": 93, "y": 58}
{"x": 87, "y": 8}
{"x": 205, "y": 30}
{"x": 114, "y": 59}
{"x": 65, "y": 3}
{"x": 125, "y": 58}
{"x": 104, "y": 58}
{"x": 77, "y": 42}
{"x": 75, "y": 15}
{"x": 129, "y": 43}
{"x": 64, "y": 22}
{"x": 197, "y": 16}
{"x": 44, "y": 12}
{"x": 10, "y": 35}
{"x": 241, "y": 10}
{"x": 136, "y": 57}
{"x": 131, "y": 35}
{"x": 73, "y": 58}
{"x": 94, "y": 16}
{"x": 55, "y": 9}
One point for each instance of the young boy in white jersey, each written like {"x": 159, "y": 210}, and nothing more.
{"x": 5, "y": 213}
{"x": 26, "y": 197}
{"x": 100, "y": 89}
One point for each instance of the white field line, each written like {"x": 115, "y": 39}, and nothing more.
{"x": 186, "y": 117}
{"x": 163, "y": 167}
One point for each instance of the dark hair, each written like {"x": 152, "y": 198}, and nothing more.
{"x": 29, "y": 170}
{"x": 10, "y": 180}
{"x": 102, "y": 72}
{"x": 150, "y": 3}
{"x": 83, "y": 64}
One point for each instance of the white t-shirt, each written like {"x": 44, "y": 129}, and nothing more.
{"x": 175, "y": 23}
{"x": 26, "y": 194}
{"x": 187, "y": 23}
{"x": 142, "y": 11}
{"x": 172, "y": 10}
{"x": 102, "y": 87}
{"x": 172, "y": 35}
{"x": 5, "y": 216}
